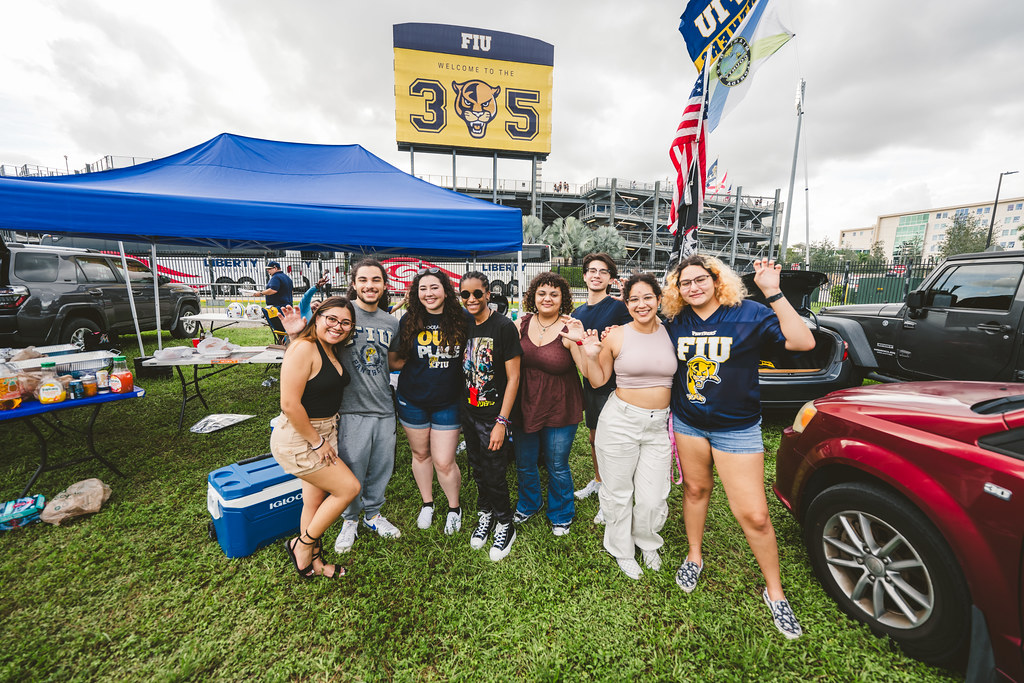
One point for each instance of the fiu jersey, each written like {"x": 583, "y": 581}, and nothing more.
{"x": 715, "y": 386}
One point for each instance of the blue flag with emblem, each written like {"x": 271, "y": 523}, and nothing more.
{"x": 758, "y": 38}
{"x": 708, "y": 26}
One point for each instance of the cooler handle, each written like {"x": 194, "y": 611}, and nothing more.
{"x": 255, "y": 458}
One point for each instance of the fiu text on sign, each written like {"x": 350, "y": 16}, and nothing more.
{"x": 472, "y": 89}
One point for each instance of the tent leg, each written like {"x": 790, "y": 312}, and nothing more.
{"x": 156, "y": 294}
{"x": 131, "y": 296}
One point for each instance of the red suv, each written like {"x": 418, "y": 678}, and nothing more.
{"x": 911, "y": 498}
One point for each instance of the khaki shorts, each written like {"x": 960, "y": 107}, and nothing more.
{"x": 293, "y": 453}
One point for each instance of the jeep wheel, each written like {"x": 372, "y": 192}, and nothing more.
{"x": 76, "y": 329}
{"x": 497, "y": 287}
{"x": 185, "y": 329}
{"x": 225, "y": 286}
{"x": 246, "y": 283}
{"x": 887, "y": 566}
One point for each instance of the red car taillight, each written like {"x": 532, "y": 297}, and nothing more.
{"x": 13, "y": 296}
{"x": 846, "y": 350}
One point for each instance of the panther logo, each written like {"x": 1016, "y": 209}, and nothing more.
{"x": 699, "y": 370}
{"x": 476, "y": 104}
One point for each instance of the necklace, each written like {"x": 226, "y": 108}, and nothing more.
{"x": 544, "y": 328}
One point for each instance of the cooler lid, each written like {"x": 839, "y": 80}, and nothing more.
{"x": 247, "y": 477}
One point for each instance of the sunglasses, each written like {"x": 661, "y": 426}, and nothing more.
{"x": 476, "y": 294}
{"x": 428, "y": 271}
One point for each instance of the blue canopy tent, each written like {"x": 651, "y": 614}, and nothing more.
{"x": 237, "y": 192}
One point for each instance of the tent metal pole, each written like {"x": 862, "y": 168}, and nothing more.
{"x": 156, "y": 294}
{"x": 521, "y": 279}
{"x": 131, "y": 297}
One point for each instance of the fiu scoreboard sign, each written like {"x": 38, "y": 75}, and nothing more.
{"x": 474, "y": 90}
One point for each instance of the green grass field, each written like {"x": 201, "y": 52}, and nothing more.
{"x": 138, "y": 592}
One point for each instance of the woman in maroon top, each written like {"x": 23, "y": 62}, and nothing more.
{"x": 550, "y": 402}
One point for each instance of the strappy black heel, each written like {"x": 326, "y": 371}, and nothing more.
{"x": 317, "y": 549}
{"x": 308, "y": 572}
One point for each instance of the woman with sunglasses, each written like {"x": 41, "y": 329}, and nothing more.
{"x": 633, "y": 451}
{"x": 719, "y": 338}
{"x": 428, "y": 351}
{"x": 305, "y": 438}
{"x": 550, "y": 402}
{"x": 491, "y": 367}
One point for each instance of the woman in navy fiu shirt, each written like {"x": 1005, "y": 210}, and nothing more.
{"x": 716, "y": 405}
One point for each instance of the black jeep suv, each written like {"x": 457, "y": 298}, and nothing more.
{"x": 56, "y": 295}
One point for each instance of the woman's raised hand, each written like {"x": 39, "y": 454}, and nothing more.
{"x": 292, "y": 320}
{"x": 767, "y": 274}
{"x": 592, "y": 344}
{"x": 574, "y": 329}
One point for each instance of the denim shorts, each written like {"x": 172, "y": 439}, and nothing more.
{"x": 746, "y": 440}
{"x": 442, "y": 418}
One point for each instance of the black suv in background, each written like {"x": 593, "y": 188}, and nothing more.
{"x": 57, "y": 295}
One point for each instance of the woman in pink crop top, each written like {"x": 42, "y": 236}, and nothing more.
{"x": 633, "y": 451}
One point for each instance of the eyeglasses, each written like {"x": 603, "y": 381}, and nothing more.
{"x": 598, "y": 271}
{"x": 649, "y": 299}
{"x": 700, "y": 281}
{"x": 476, "y": 294}
{"x": 428, "y": 271}
{"x": 334, "y": 321}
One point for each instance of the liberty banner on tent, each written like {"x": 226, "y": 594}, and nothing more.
{"x": 708, "y": 26}
{"x": 759, "y": 37}
{"x": 474, "y": 90}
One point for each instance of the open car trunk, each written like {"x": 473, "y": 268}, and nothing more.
{"x": 816, "y": 360}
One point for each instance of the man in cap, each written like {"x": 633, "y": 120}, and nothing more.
{"x": 279, "y": 286}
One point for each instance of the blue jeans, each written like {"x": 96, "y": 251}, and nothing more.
{"x": 556, "y": 442}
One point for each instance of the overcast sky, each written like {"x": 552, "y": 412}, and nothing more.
{"x": 909, "y": 105}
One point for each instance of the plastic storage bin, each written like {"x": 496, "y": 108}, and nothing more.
{"x": 252, "y": 503}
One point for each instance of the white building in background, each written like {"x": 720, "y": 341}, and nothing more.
{"x": 857, "y": 239}
{"x": 930, "y": 225}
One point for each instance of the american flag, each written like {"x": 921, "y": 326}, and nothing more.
{"x": 688, "y": 157}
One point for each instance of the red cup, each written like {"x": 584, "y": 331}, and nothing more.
{"x": 195, "y": 342}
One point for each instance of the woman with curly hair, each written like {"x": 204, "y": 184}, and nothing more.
{"x": 428, "y": 351}
{"x": 550, "y": 402}
{"x": 305, "y": 438}
{"x": 716, "y": 405}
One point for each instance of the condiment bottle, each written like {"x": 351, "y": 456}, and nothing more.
{"x": 10, "y": 389}
{"x": 121, "y": 377}
{"x": 50, "y": 389}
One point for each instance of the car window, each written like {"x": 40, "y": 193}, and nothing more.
{"x": 30, "y": 267}
{"x": 137, "y": 270}
{"x": 95, "y": 269}
{"x": 986, "y": 286}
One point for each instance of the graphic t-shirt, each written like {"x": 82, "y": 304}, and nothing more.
{"x": 715, "y": 386}
{"x": 432, "y": 375}
{"x": 366, "y": 362}
{"x": 608, "y": 311}
{"x": 489, "y": 345}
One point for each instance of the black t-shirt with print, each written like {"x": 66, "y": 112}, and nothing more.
{"x": 432, "y": 374}
{"x": 489, "y": 346}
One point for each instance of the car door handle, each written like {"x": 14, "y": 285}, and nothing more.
{"x": 95, "y": 292}
{"x": 995, "y": 327}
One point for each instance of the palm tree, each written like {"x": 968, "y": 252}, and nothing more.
{"x": 606, "y": 239}
{"x": 565, "y": 236}
{"x": 532, "y": 229}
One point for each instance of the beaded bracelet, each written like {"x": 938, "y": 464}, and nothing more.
{"x": 322, "y": 442}
{"x": 504, "y": 421}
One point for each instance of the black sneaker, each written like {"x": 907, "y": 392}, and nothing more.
{"x": 483, "y": 529}
{"x": 504, "y": 537}
{"x": 520, "y": 518}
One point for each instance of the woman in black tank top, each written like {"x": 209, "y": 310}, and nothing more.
{"x": 305, "y": 441}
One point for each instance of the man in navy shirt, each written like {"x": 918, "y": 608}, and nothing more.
{"x": 279, "y": 287}
{"x": 600, "y": 312}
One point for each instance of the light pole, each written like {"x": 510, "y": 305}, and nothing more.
{"x": 995, "y": 205}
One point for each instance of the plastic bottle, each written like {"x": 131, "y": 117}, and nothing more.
{"x": 10, "y": 390}
{"x": 121, "y": 377}
{"x": 50, "y": 389}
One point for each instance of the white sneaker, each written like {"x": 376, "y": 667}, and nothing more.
{"x": 590, "y": 489}
{"x": 426, "y": 517}
{"x": 383, "y": 527}
{"x": 504, "y": 537}
{"x": 630, "y": 568}
{"x": 347, "y": 537}
{"x": 453, "y": 523}
{"x": 651, "y": 559}
{"x": 560, "y": 529}
{"x": 599, "y": 517}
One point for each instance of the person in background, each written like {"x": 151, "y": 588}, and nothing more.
{"x": 719, "y": 339}
{"x": 491, "y": 367}
{"x": 279, "y": 287}
{"x": 600, "y": 312}
{"x": 303, "y": 442}
{"x": 632, "y": 435}
{"x": 550, "y": 402}
{"x": 428, "y": 351}
{"x": 306, "y": 304}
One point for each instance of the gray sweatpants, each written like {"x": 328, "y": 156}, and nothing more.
{"x": 366, "y": 444}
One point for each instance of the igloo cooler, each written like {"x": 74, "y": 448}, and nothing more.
{"x": 252, "y": 503}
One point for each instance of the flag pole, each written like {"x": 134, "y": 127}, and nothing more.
{"x": 792, "y": 175}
